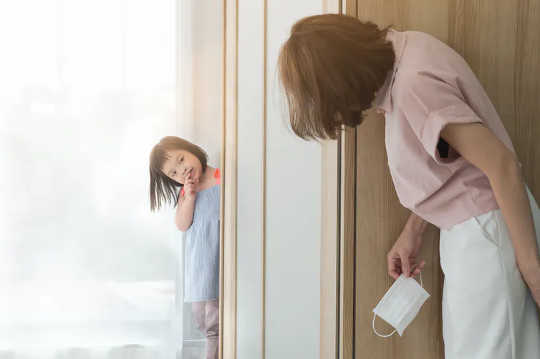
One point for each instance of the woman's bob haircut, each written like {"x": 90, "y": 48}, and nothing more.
{"x": 330, "y": 68}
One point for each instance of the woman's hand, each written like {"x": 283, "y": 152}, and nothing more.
{"x": 402, "y": 257}
{"x": 532, "y": 278}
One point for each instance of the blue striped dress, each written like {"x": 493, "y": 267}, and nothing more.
{"x": 201, "y": 270}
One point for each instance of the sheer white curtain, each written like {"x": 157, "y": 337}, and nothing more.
{"x": 87, "y": 88}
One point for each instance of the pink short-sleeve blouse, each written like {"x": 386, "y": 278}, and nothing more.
{"x": 430, "y": 86}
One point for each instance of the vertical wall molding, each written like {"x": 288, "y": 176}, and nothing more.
{"x": 330, "y": 305}
{"x": 265, "y": 93}
{"x": 228, "y": 248}
{"x": 348, "y": 231}
{"x": 348, "y": 248}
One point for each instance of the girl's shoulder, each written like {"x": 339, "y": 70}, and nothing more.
{"x": 217, "y": 176}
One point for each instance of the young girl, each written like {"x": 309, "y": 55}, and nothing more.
{"x": 451, "y": 161}
{"x": 175, "y": 162}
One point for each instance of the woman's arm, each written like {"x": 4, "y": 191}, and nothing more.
{"x": 416, "y": 224}
{"x": 511, "y": 195}
{"x": 482, "y": 148}
{"x": 184, "y": 212}
{"x": 513, "y": 200}
{"x": 403, "y": 256}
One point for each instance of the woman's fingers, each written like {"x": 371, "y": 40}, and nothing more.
{"x": 405, "y": 265}
{"x": 418, "y": 268}
{"x": 394, "y": 274}
{"x": 393, "y": 266}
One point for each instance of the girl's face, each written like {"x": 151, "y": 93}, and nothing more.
{"x": 180, "y": 165}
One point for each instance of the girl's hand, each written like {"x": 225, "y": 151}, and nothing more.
{"x": 402, "y": 257}
{"x": 190, "y": 187}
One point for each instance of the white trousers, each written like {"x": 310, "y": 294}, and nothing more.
{"x": 487, "y": 309}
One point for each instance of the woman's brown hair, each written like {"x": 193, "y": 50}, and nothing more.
{"x": 330, "y": 68}
{"x": 162, "y": 188}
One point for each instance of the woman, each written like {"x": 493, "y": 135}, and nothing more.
{"x": 451, "y": 161}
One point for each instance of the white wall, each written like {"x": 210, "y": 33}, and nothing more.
{"x": 293, "y": 198}
{"x": 200, "y": 94}
{"x": 293, "y": 221}
{"x": 250, "y": 178}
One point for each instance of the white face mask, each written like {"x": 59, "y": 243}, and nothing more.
{"x": 400, "y": 304}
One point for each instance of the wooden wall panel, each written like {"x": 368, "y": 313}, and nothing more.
{"x": 488, "y": 35}
{"x": 381, "y": 218}
{"x": 501, "y": 42}
{"x": 379, "y": 221}
{"x": 526, "y": 91}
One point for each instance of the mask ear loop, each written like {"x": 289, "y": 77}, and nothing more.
{"x": 374, "y": 315}
{"x": 376, "y": 332}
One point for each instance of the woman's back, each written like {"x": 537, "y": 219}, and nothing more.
{"x": 427, "y": 55}
{"x": 434, "y": 86}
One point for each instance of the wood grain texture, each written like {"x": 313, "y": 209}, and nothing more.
{"x": 381, "y": 218}
{"x": 329, "y": 257}
{"x": 526, "y": 137}
{"x": 351, "y": 7}
{"x": 501, "y": 42}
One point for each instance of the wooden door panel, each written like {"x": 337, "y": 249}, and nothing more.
{"x": 501, "y": 42}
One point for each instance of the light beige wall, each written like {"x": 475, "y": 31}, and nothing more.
{"x": 273, "y": 195}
